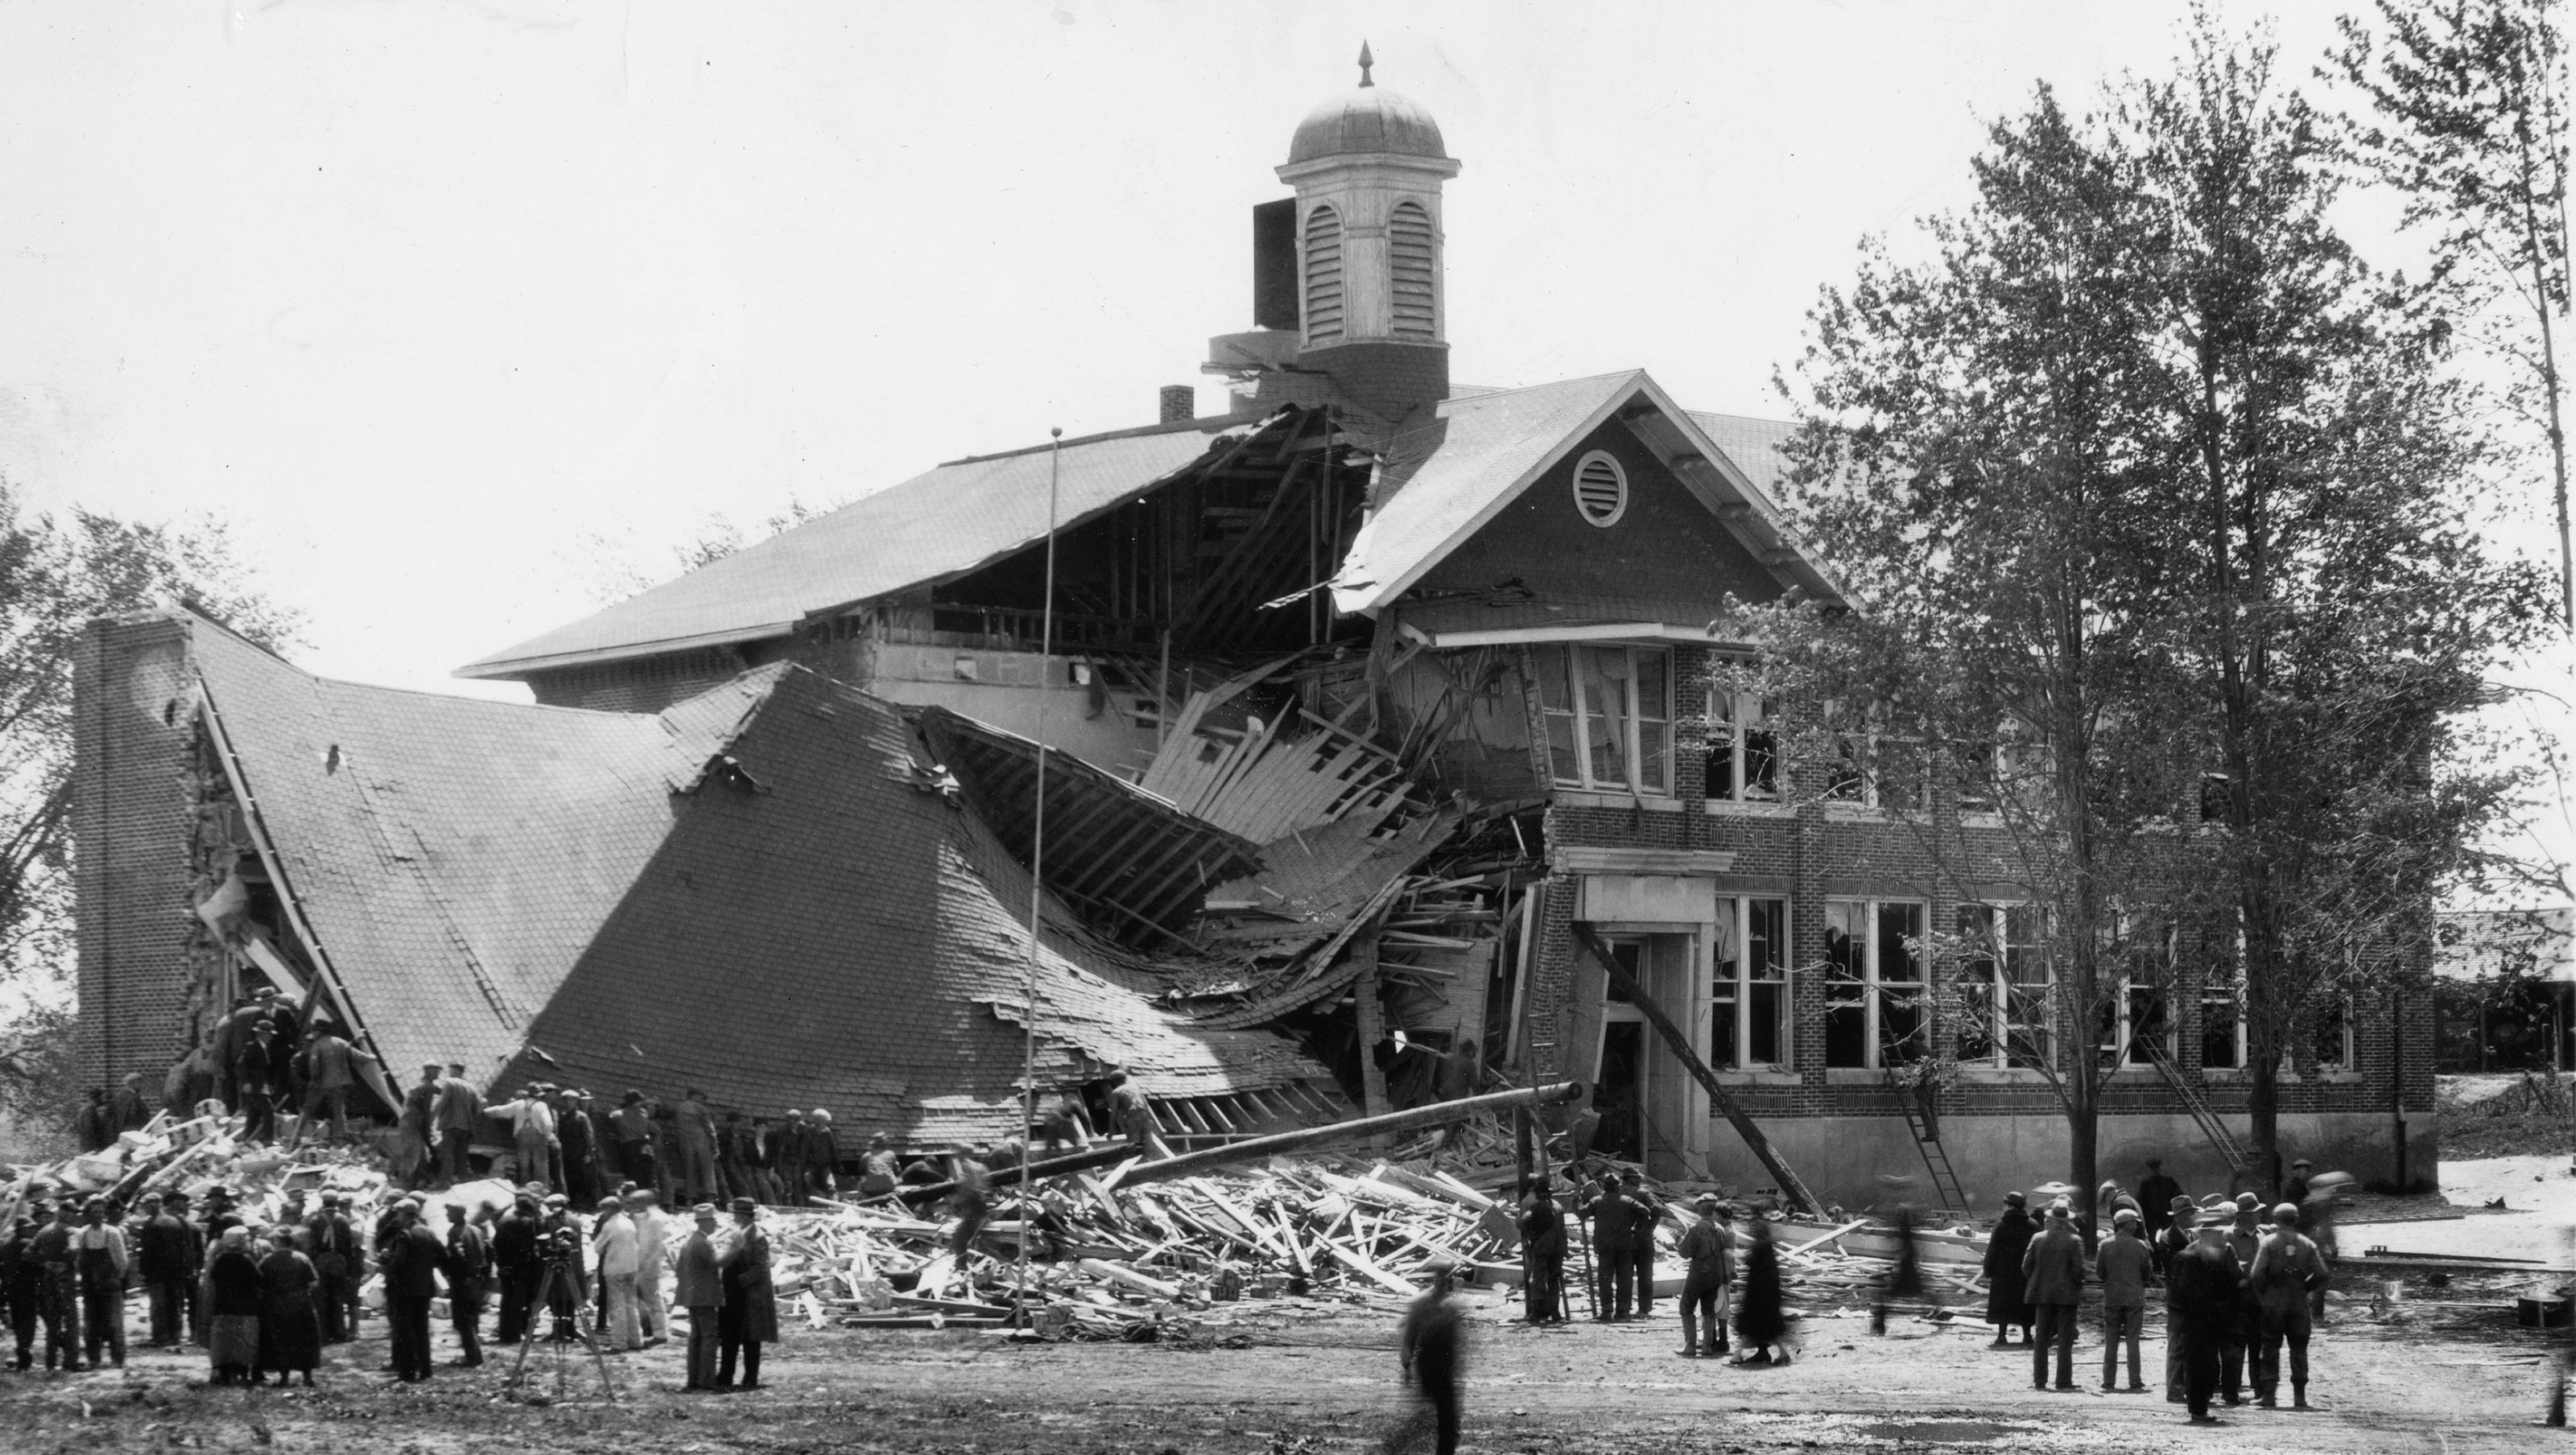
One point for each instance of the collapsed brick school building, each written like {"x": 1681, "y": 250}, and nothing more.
{"x": 1372, "y": 716}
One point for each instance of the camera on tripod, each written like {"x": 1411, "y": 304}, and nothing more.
{"x": 563, "y": 1246}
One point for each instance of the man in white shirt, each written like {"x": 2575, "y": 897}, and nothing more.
{"x": 532, "y": 1135}
{"x": 651, "y": 1231}
{"x": 617, "y": 1252}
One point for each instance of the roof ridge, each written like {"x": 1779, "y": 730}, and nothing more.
{"x": 1221, "y": 423}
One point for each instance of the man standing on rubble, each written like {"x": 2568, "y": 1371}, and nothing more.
{"x": 1135, "y": 1117}
{"x": 459, "y": 1106}
{"x": 532, "y": 1135}
{"x": 787, "y": 1154}
{"x": 2052, "y": 1271}
{"x": 330, "y": 1070}
{"x": 127, "y": 1108}
{"x": 582, "y": 1179}
{"x": 734, "y": 1157}
{"x": 1432, "y": 1344}
{"x": 822, "y": 1154}
{"x": 94, "y": 1126}
{"x": 693, "y": 1136}
{"x": 634, "y": 1127}
{"x": 1543, "y": 1255}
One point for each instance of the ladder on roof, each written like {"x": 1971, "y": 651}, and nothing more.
{"x": 2203, "y": 1114}
{"x": 1924, "y": 1122}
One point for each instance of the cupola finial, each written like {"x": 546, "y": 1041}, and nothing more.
{"x": 1366, "y": 61}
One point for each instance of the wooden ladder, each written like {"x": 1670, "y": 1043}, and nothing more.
{"x": 1927, "y": 1140}
{"x": 2203, "y": 1114}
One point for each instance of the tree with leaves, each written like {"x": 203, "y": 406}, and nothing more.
{"x": 2346, "y": 613}
{"x": 56, "y": 573}
{"x": 2469, "y": 124}
{"x": 1977, "y": 460}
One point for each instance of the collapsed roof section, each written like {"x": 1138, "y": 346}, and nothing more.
{"x": 766, "y": 891}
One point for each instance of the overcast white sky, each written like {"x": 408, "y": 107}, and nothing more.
{"x": 422, "y": 296}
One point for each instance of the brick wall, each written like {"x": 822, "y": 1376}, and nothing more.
{"x": 132, "y": 826}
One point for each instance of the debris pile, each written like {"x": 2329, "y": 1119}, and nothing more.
{"x": 196, "y": 1156}
{"x": 1111, "y": 1263}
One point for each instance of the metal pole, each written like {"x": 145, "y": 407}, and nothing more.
{"x": 1037, "y": 872}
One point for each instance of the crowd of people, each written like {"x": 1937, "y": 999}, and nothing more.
{"x": 2244, "y": 1283}
{"x": 265, "y": 1302}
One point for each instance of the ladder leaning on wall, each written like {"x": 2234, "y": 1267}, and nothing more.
{"x": 2203, "y": 1114}
{"x": 1926, "y": 1128}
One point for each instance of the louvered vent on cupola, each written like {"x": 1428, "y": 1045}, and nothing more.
{"x": 1323, "y": 276}
{"x": 1600, "y": 489}
{"x": 1409, "y": 252}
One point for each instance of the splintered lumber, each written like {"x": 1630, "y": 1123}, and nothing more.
{"x": 1128, "y": 1278}
{"x": 1680, "y": 1042}
{"x": 1440, "y": 1113}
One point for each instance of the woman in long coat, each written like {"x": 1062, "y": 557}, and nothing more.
{"x": 2005, "y": 1305}
{"x": 233, "y": 1284}
{"x": 750, "y": 1316}
{"x": 290, "y": 1325}
{"x": 1761, "y": 1317}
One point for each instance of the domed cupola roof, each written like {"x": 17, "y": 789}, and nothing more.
{"x": 1367, "y": 120}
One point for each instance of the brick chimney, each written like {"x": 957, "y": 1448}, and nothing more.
{"x": 1180, "y": 403}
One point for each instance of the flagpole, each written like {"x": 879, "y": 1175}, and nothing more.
{"x": 1037, "y": 876}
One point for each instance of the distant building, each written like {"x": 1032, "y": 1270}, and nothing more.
{"x": 1442, "y": 660}
{"x": 2507, "y": 990}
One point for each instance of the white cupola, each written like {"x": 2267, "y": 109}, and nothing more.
{"x": 1367, "y": 166}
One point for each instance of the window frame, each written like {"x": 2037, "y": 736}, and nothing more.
{"x": 1633, "y": 724}
{"x": 2116, "y": 1056}
{"x": 1735, "y": 924}
{"x": 1875, "y": 990}
{"x": 1740, "y": 717}
{"x": 2342, "y": 1006}
{"x": 2230, "y": 975}
{"x": 1860, "y": 758}
{"x": 2003, "y": 990}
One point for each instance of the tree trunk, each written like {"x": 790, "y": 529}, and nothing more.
{"x": 2263, "y": 1107}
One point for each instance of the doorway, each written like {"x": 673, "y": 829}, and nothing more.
{"x": 1620, "y": 1097}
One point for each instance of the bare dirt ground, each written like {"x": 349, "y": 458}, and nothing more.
{"x": 1284, "y": 1380}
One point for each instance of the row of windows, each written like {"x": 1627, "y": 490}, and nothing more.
{"x": 1877, "y": 995}
{"x": 1609, "y": 713}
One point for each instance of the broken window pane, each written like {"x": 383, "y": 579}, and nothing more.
{"x": 1654, "y": 719}
{"x": 1557, "y": 704}
{"x": 1979, "y": 964}
{"x": 1602, "y": 684}
{"x": 2222, "y": 1031}
{"x": 1846, "y": 983}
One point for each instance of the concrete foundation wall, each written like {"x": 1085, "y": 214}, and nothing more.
{"x": 1840, "y": 1158}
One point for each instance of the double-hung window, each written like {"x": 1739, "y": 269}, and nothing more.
{"x": 2330, "y": 1029}
{"x": 1875, "y": 769}
{"x": 1609, "y": 714}
{"x": 1874, "y": 986}
{"x": 2222, "y": 1016}
{"x": 1749, "y": 1028}
{"x": 1743, "y": 744}
{"x": 2135, "y": 1024}
{"x": 2004, "y": 981}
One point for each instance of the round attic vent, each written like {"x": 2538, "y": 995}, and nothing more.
{"x": 1600, "y": 489}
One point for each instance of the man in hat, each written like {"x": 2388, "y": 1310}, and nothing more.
{"x": 1135, "y": 1116}
{"x": 2294, "y": 1191}
{"x": 734, "y": 1157}
{"x": 612, "y": 1238}
{"x": 514, "y": 1258}
{"x": 1542, "y": 1229}
{"x": 532, "y": 1134}
{"x": 410, "y": 1260}
{"x": 59, "y": 1302}
{"x": 582, "y": 1180}
{"x": 416, "y": 1132}
{"x": 652, "y": 1237}
{"x": 468, "y": 1269}
{"x": 161, "y": 1251}
{"x": 1708, "y": 1248}
{"x": 2052, "y": 1271}
{"x": 750, "y": 1315}
{"x": 787, "y": 1157}
{"x": 1433, "y": 1345}
{"x": 2201, "y": 1299}
{"x": 2244, "y": 1240}
{"x": 127, "y": 1109}
{"x": 2287, "y": 1271}
{"x": 94, "y": 1126}
{"x": 2005, "y": 1305}
{"x": 2122, "y": 1265}
{"x": 337, "y": 1259}
{"x": 175, "y": 1203}
{"x": 693, "y": 1137}
{"x": 330, "y": 1069}
{"x": 634, "y": 1124}
{"x": 2156, "y": 1194}
{"x": 822, "y": 1154}
{"x": 1641, "y": 1255}
{"x": 1616, "y": 1220}
{"x": 22, "y": 1283}
{"x": 459, "y": 1106}
{"x": 698, "y": 1284}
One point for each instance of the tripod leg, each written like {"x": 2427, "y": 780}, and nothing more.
{"x": 527, "y": 1335}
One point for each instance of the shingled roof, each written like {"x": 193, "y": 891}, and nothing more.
{"x": 938, "y": 524}
{"x": 755, "y": 892}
